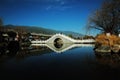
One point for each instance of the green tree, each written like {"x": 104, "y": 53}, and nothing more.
{"x": 106, "y": 18}
{"x": 70, "y": 35}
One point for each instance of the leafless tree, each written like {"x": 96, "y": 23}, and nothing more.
{"x": 106, "y": 18}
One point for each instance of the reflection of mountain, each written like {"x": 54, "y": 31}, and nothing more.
{"x": 63, "y": 48}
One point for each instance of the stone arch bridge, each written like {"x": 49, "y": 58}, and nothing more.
{"x": 63, "y": 38}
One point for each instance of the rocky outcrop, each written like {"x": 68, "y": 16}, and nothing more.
{"x": 115, "y": 49}
{"x": 103, "y": 49}
{"x": 107, "y": 43}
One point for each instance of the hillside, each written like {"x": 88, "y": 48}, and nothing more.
{"x": 44, "y": 30}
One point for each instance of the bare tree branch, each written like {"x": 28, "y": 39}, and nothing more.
{"x": 106, "y": 18}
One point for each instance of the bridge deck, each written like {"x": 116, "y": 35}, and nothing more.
{"x": 66, "y": 40}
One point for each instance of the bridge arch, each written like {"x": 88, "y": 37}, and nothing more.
{"x": 58, "y": 42}
{"x": 63, "y": 38}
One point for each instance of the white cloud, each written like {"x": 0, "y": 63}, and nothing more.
{"x": 65, "y": 7}
{"x": 57, "y": 0}
{"x": 58, "y": 5}
{"x": 61, "y": 8}
{"x": 49, "y": 7}
{"x": 62, "y": 3}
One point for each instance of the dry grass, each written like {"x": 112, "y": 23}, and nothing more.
{"x": 111, "y": 40}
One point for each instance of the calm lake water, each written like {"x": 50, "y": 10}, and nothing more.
{"x": 67, "y": 62}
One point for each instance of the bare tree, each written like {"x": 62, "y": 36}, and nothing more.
{"x": 107, "y": 18}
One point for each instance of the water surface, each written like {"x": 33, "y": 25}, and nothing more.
{"x": 76, "y": 62}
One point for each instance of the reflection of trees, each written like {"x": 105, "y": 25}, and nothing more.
{"x": 108, "y": 59}
{"x": 26, "y": 52}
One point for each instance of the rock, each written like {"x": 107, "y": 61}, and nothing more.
{"x": 115, "y": 49}
{"x": 103, "y": 49}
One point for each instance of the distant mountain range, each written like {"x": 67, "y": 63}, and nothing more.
{"x": 45, "y": 30}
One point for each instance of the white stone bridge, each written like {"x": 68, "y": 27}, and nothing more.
{"x": 64, "y": 38}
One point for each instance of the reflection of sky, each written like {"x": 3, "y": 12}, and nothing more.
{"x": 64, "y": 15}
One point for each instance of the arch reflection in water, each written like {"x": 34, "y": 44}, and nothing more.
{"x": 63, "y": 48}
{"x": 58, "y": 43}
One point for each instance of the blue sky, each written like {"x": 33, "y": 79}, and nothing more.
{"x": 65, "y": 15}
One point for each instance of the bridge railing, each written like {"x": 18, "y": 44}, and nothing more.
{"x": 66, "y": 37}
{"x": 38, "y": 42}
{"x": 85, "y": 41}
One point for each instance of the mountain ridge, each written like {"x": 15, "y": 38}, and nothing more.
{"x": 43, "y": 30}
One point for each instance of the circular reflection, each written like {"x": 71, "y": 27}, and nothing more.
{"x": 58, "y": 43}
